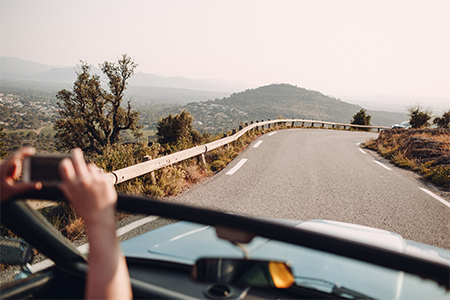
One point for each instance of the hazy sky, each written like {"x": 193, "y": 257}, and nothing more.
{"x": 339, "y": 47}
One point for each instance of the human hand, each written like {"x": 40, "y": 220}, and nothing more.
{"x": 11, "y": 170}
{"x": 94, "y": 198}
{"x": 89, "y": 191}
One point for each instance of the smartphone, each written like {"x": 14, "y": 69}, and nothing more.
{"x": 43, "y": 168}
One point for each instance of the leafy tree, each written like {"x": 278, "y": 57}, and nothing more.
{"x": 177, "y": 131}
{"x": 361, "y": 118}
{"x": 419, "y": 116}
{"x": 444, "y": 121}
{"x": 91, "y": 117}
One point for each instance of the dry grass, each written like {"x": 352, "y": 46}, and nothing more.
{"x": 166, "y": 182}
{"x": 389, "y": 143}
{"x": 74, "y": 230}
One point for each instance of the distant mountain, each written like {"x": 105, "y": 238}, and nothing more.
{"x": 400, "y": 103}
{"x": 275, "y": 101}
{"x": 14, "y": 68}
{"x": 223, "y": 113}
{"x": 147, "y": 95}
{"x": 152, "y": 80}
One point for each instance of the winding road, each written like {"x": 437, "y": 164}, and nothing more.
{"x": 306, "y": 174}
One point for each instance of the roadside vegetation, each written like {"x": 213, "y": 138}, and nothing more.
{"x": 108, "y": 130}
{"x": 361, "y": 118}
{"x": 420, "y": 149}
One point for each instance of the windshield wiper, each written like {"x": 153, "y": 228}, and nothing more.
{"x": 332, "y": 288}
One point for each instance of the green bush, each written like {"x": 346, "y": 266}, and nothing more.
{"x": 218, "y": 165}
{"x": 171, "y": 180}
{"x": 399, "y": 159}
{"x": 387, "y": 151}
{"x": 439, "y": 175}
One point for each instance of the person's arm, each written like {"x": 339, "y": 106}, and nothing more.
{"x": 94, "y": 199}
{"x": 11, "y": 170}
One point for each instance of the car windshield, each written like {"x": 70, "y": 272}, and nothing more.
{"x": 298, "y": 198}
{"x": 186, "y": 242}
{"x": 156, "y": 238}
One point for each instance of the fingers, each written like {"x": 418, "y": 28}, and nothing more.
{"x": 23, "y": 187}
{"x": 10, "y": 170}
{"x": 67, "y": 170}
{"x": 12, "y": 167}
{"x": 74, "y": 168}
{"x": 78, "y": 163}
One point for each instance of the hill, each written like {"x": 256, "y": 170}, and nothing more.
{"x": 279, "y": 100}
{"x": 18, "y": 69}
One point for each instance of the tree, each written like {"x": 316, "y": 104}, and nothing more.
{"x": 444, "y": 121}
{"x": 177, "y": 131}
{"x": 92, "y": 118}
{"x": 361, "y": 118}
{"x": 419, "y": 117}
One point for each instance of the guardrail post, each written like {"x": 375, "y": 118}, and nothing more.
{"x": 323, "y": 124}
{"x": 268, "y": 125}
{"x": 303, "y": 124}
{"x": 257, "y": 127}
{"x": 345, "y": 127}
{"x": 240, "y": 127}
{"x": 293, "y": 123}
{"x": 202, "y": 160}
{"x": 312, "y": 124}
{"x": 152, "y": 174}
{"x": 233, "y": 131}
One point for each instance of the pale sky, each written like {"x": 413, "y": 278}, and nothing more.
{"x": 358, "y": 47}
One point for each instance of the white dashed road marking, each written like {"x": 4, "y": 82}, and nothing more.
{"x": 435, "y": 196}
{"x": 257, "y": 144}
{"x": 383, "y": 165}
{"x": 237, "y": 166}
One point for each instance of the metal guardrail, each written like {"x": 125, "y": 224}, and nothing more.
{"x": 146, "y": 167}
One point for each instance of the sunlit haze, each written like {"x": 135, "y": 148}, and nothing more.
{"x": 355, "y": 48}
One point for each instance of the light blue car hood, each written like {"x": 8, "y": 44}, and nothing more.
{"x": 185, "y": 242}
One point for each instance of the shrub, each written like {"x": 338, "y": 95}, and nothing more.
{"x": 361, "y": 118}
{"x": 75, "y": 229}
{"x": 426, "y": 167}
{"x": 419, "y": 117}
{"x": 218, "y": 165}
{"x": 387, "y": 151}
{"x": 122, "y": 156}
{"x": 439, "y": 175}
{"x": 170, "y": 180}
{"x": 444, "y": 121}
{"x": 399, "y": 159}
{"x": 194, "y": 173}
{"x": 177, "y": 133}
{"x": 154, "y": 191}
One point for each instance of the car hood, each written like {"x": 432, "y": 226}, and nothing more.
{"x": 185, "y": 242}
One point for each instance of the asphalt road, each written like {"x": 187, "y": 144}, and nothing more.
{"x": 306, "y": 174}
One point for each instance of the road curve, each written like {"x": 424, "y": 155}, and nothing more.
{"x": 307, "y": 174}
